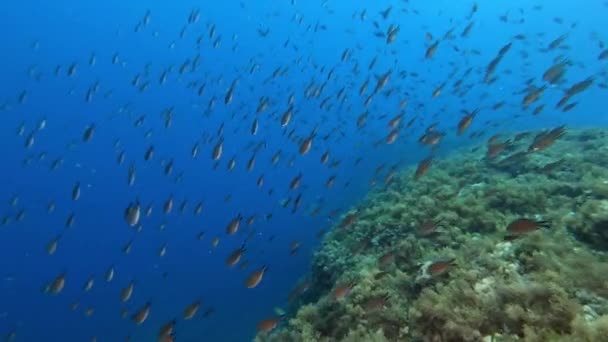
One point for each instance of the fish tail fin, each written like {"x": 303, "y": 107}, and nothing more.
{"x": 543, "y": 224}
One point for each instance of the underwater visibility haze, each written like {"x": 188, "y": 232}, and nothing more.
{"x": 319, "y": 170}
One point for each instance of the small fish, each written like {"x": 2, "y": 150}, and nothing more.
{"x": 51, "y": 247}
{"x": 167, "y": 330}
{"x": 538, "y": 109}
{"x": 386, "y": 259}
{"x": 286, "y": 118}
{"x": 533, "y": 95}
{"x": 391, "y": 34}
{"x": 132, "y": 214}
{"x": 556, "y": 72}
{"x": 342, "y": 291}
{"x": 127, "y": 248}
{"x": 546, "y": 139}
{"x": 466, "y": 121}
{"x": 428, "y": 228}
{"x": 523, "y": 226}
{"x": 293, "y": 247}
{"x": 127, "y": 292}
{"x": 192, "y": 309}
{"x": 494, "y": 149}
{"x": 76, "y": 191}
{"x": 88, "y": 312}
{"x": 377, "y": 302}
{"x": 549, "y": 167}
{"x": 298, "y": 290}
{"x": 440, "y": 267}
{"x": 88, "y": 285}
{"x": 149, "y": 153}
{"x": 306, "y": 144}
{"x": 579, "y": 87}
{"x": 423, "y": 167}
{"x": 217, "y": 150}
{"x": 392, "y": 136}
{"x": 295, "y": 182}
{"x": 254, "y": 127}
{"x": 57, "y": 285}
{"x": 88, "y": 133}
{"x": 234, "y": 224}
{"x": 235, "y": 256}
{"x": 110, "y": 273}
{"x": 168, "y": 205}
{"x": 142, "y": 314}
{"x": 215, "y": 242}
{"x": 255, "y": 278}
{"x": 162, "y": 251}
{"x": 431, "y": 50}
{"x": 325, "y": 157}
{"x": 267, "y": 325}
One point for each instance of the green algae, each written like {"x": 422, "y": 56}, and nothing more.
{"x": 549, "y": 285}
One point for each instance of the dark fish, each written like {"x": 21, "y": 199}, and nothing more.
{"x": 88, "y": 133}
{"x": 431, "y": 50}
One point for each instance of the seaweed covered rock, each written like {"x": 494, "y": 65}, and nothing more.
{"x": 483, "y": 247}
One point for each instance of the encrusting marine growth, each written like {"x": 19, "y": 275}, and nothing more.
{"x": 490, "y": 244}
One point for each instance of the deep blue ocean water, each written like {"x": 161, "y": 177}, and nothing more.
{"x": 38, "y": 36}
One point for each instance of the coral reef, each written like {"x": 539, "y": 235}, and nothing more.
{"x": 431, "y": 260}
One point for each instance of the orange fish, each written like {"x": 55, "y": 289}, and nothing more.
{"x": 523, "y": 226}
{"x": 423, "y": 167}
{"x": 307, "y": 143}
{"x": 395, "y": 121}
{"x": 235, "y": 256}
{"x": 431, "y": 138}
{"x": 192, "y": 309}
{"x": 465, "y": 122}
{"x": 386, "y": 259}
{"x": 440, "y": 267}
{"x": 342, "y": 291}
{"x": 57, "y": 285}
{"x": 428, "y": 228}
{"x": 268, "y": 325}
{"x": 142, "y": 314}
{"x": 392, "y": 136}
{"x": 167, "y": 330}
{"x": 497, "y": 148}
{"x": 349, "y": 220}
{"x": 377, "y": 302}
{"x": 255, "y": 278}
{"x": 217, "y": 150}
{"x": 546, "y": 139}
{"x": 234, "y": 224}
{"x": 533, "y": 95}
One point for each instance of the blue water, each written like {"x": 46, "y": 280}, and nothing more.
{"x": 37, "y": 36}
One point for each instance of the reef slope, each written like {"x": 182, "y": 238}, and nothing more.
{"x": 430, "y": 259}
